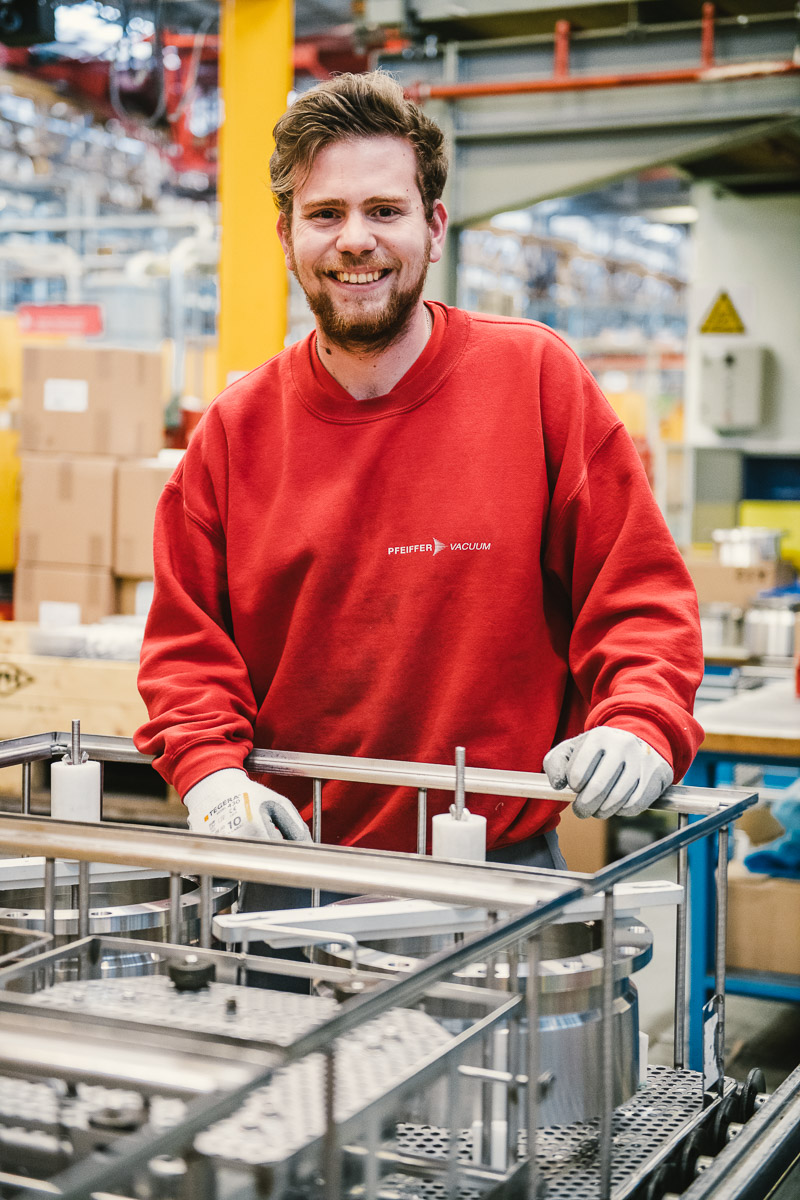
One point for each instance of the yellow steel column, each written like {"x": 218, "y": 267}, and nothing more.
{"x": 255, "y": 78}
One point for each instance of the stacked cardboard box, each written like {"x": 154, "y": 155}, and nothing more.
{"x": 718, "y": 582}
{"x": 84, "y": 410}
{"x": 139, "y": 486}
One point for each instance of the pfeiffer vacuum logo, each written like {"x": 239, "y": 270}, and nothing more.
{"x": 435, "y": 547}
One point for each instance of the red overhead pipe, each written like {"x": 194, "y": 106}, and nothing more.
{"x": 577, "y": 83}
{"x": 561, "y": 50}
{"x": 707, "y": 36}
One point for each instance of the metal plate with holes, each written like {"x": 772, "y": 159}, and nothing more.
{"x": 568, "y": 1154}
{"x": 50, "y": 1106}
{"x": 221, "y": 1008}
{"x": 278, "y": 1120}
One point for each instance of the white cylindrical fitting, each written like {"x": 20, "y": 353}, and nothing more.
{"x": 464, "y": 838}
{"x": 75, "y": 791}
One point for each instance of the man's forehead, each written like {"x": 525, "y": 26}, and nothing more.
{"x": 380, "y": 167}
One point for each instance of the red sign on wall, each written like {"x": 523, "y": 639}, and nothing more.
{"x": 76, "y": 320}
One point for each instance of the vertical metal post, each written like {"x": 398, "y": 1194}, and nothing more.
{"x": 607, "y": 1112}
{"x": 422, "y": 820}
{"x": 461, "y": 760}
{"x": 50, "y": 896}
{"x": 720, "y": 941}
{"x": 681, "y": 943}
{"x": 371, "y": 1171}
{"x": 26, "y": 788}
{"x": 174, "y": 908}
{"x": 49, "y": 911}
{"x": 532, "y": 1106}
{"x": 331, "y": 1159}
{"x": 514, "y": 1068}
{"x": 487, "y": 1059}
{"x": 76, "y": 743}
{"x": 205, "y": 911}
{"x": 83, "y": 899}
{"x": 454, "y": 1109}
{"x": 316, "y": 828}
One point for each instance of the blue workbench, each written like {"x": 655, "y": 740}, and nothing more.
{"x": 760, "y": 726}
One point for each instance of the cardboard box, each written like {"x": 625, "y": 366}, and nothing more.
{"x": 763, "y": 922}
{"x": 716, "y": 582}
{"x": 72, "y": 595}
{"x": 67, "y": 510}
{"x": 92, "y": 400}
{"x": 584, "y": 843}
{"x": 763, "y": 911}
{"x": 133, "y": 596}
{"x": 139, "y": 485}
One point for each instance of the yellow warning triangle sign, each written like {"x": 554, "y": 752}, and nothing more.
{"x": 722, "y": 317}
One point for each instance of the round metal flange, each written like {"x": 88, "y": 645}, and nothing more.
{"x": 754, "y": 1085}
{"x": 128, "y": 918}
{"x": 726, "y": 1112}
{"x": 656, "y": 1186}
{"x": 633, "y": 949}
{"x": 690, "y": 1151}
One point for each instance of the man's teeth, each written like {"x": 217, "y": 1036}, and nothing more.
{"x": 364, "y": 277}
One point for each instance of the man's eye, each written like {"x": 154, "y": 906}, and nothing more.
{"x": 386, "y": 211}
{"x": 323, "y": 214}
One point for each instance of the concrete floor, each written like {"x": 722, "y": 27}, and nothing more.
{"x": 758, "y": 1033}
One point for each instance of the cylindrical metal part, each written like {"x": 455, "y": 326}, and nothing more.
{"x": 76, "y": 742}
{"x": 607, "y": 1114}
{"x": 316, "y": 827}
{"x": 174, "y": 907}
{"x": 532, "y": 1065}
{"x": 461, "y": 764}
{"x": 720, "y": 941}
{"x": 26, "y": 788}
{"x": 486, "y": 1103}
{"x": 83, "y": 899}
{"x": 331, "y": 1157}
{"x": 371, "y": 1167}
{"x": 681, "y": 944}
{"x": 512, "y": 1119}
{"x": 422, "y": 820}
{"x": 50, "y": 896}
{"x": 206, "y": 911}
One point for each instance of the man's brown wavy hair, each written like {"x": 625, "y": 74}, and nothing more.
{"x": 354, "y": 106}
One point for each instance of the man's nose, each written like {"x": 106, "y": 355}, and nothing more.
{"x": 355, "y": 235}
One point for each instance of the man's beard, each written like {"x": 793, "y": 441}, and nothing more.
{"x": 370, "y": 332}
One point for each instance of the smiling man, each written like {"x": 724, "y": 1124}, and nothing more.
{"x": 417, "y": 528}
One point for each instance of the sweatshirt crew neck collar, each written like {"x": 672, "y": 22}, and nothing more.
{"x": 319, "y": 392}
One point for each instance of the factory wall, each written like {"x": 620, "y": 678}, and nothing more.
{"x": 749, "y": 247}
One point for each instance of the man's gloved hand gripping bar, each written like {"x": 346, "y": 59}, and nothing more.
{"x": 612, "y": 771}
{"x": 229, "y": 804}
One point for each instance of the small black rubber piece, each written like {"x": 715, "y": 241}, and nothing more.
{"x": 727, "y": 1111}
{"x": 753, "y": 1085}
{"x": 190, "y": 974}
{"x": 690, "y": 1151}
{"x": 657, "y": 1185}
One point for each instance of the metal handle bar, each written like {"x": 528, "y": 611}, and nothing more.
{"x": 442, "y": 777}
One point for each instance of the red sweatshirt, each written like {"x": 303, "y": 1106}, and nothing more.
{"x": 473, "y": 559}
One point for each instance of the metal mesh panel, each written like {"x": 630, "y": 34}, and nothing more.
{"x": 568, "y": 1154}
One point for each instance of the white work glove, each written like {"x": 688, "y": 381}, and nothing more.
{"x": 229, "y": 804}
{"x": 611, "y": 770}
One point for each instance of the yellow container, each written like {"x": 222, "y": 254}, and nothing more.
{"x": 9, "y": 497}
{"x": 776, "y": 514}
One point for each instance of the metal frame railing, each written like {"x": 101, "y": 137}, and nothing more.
{"x": 533, "y": 898}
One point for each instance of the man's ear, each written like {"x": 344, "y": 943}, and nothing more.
{"x": 285, "y": 238}
{"x": 438, "y": 228}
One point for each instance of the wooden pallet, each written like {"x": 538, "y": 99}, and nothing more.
{"x": 39, "y": 694}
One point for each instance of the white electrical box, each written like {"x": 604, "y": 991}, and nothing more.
{"x": 731, "y": 386}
